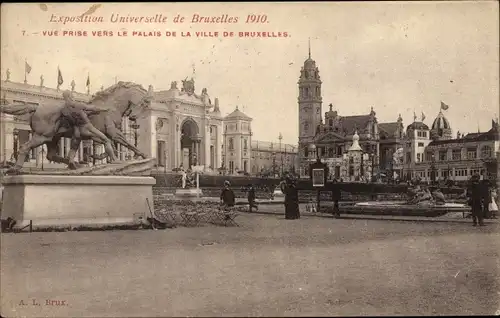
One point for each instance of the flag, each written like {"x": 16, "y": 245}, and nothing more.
{"x": 88, "y": 81}
{"x": 423, "y": 116}
{"x": 414, "y": 117}
{"x": 27, "y": 67}
{"x": 60, "y": 80}
{"x": 444, "y": 106}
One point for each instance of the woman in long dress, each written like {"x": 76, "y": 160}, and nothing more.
{"x": 493, "y": 207}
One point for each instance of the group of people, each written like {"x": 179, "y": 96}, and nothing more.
{"x": 482, "y": 198}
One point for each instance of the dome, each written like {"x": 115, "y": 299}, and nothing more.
{"x": 417, "y": 125}
{"x": 440, "y": 122}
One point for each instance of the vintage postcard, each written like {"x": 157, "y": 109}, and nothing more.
{"x": 249, "y": 159}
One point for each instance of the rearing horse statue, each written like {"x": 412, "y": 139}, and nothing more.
{"x": 124, "y": 99}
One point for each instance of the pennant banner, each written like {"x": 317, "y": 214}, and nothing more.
{"x": 27, "y": 67}
{"x": 444, "y": 106}
{"x": 60, "y": 80}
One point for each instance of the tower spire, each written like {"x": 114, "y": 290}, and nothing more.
{"x": 309, "y": 47}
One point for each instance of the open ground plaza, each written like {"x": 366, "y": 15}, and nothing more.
{"x": 268, "y": 266}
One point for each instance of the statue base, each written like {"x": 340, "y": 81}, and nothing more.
{"x": 60, "y": 201}
{"x": 278, "y": 195}
{"x": 188, "y": 193}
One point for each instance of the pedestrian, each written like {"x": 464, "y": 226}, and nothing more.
{"x": 485, "y": 196}
{"x": 475, "y": 201}
{"x": 493, "y": 206}
{"x": 227, "y": 196}
{"x": 289, "y": 188}
{"x": 336, "y": 195}
{"x": 251, "y": 198}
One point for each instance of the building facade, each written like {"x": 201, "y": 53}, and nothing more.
{"x": 182, "y": 128}
{"x": 270, "y": 158}
{"x": 237, "y": 143}
{"x": 431, "y": 154}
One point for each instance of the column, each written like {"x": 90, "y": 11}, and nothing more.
{"x": 198, "y": 151}
{"x": 68, "y": 146}
{"x": 61, "y": 147}
{"x": 80, "y": 152}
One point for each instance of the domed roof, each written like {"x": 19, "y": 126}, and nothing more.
{"x": 238, "y": 114}
{"x": 440, "y": 122}
{"x": 417, "y": 125}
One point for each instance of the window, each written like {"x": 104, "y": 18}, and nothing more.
{"x": 428, "y": 156}
{"x": 460, "y": 172}
{"x": 245, "y": 165}
{"x": 245, "y": 144}
{"x": 330, "y": 152}
{"x": 306, "y": 127}
{"x": 456, "y": 154}
{"x": 330, "y": 122}
{"x": 418, "y": 157}
{"x": 471, "y": 153}
{"x": 475, "y": 171}
{"x": 422, "y": 134}
{"x": 486, "y": 152}
{"x": 420, "y": 144}
{"x": 408, "y": 157}
{"x": 231, "y": 144}
{"x": 442, "y": 155}
{"x": 231, "y": 166}
{"x": 339, "y": 150}
{"x": 211, "y": 131}
{"x": 306, "y": 151}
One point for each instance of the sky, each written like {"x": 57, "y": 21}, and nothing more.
{"x": 398, "y": 58}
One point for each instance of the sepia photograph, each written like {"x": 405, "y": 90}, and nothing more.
{"x": 266, "y": 159}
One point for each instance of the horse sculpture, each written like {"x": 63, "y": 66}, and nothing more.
{"x": 124, "y": 99}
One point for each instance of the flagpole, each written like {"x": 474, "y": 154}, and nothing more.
{"x": 58, "y": 71}
{"x": 88, "y": 83}
{"x": 25, "y": 62}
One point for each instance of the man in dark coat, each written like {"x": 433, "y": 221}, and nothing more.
{"x": 475, "y": 200}
{"x": 227, "y": 196}
{"x": 336, "y": 195}
{"x": 289, "y": 188}
{"x": 251, "y": 198}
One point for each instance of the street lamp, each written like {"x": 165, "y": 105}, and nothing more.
{"x": 274, "y": 164}
{"x": 280, "y": 137}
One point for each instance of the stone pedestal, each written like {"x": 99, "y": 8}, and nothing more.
{"x": 278, "y": 195}
{"x": 188, "y": 193}
{"x": 59, "y": 201}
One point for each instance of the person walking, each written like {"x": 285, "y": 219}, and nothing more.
{"x": 475, "y": 200}
{"x": 336, "y": 195}
{"x": 251, "y": 198}
{"x": 493, "y": 206}
{"x": 485, "y": 197}
{"x": 227, "y": 196}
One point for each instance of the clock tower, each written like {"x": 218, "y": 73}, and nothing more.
{"x": 309, "y": 105}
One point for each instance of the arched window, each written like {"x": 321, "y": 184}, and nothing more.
{"x": 245, "y": 144}
{"x": 330, "y": 122}
{"x": 486, "y": 152}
